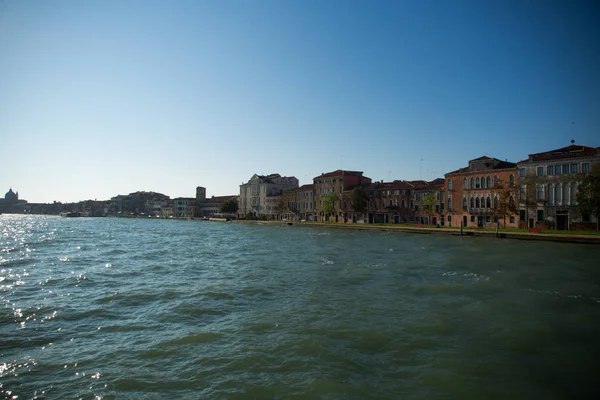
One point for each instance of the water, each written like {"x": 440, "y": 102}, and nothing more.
{"x": 153, "y": 309}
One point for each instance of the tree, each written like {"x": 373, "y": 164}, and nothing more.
{"x": 228, "y": 206}
{"x": 428, "y": 204}
{"x": 328, "y": 206}
{"x": 505, "y": 204}
{"x": 588, "y": 197}
{"x": 359, "y": 200}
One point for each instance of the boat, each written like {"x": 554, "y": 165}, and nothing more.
{"x": 70, "y": 214}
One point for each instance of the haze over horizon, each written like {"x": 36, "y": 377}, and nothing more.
{"x": 100, "y": 98}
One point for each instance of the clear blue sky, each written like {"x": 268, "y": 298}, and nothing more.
{"x": 99, "y": 98}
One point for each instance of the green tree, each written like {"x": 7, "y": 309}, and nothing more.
{"x": 229, "y": 206}
{"x": 428, "y": 204}
{"x": 359, "y": 199}
{"x": 588, "y": 197}
{"x": 328, "y": 206}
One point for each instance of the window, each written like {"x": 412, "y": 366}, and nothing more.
{"x": 573, "y": 168}
{"x": 539, "y": 192}
{"x": 565, "y": 169}
{"x": 512, "y": 219}
{"x": 477, "y": 202}
{"x": 418, "y": 196}
{"x": 522, "y": 172}
{"x": 449, "y": 203}
{"x": 585, "y": 168}
{"x": 488, "y": 218}
{"x": 496, "y": 180}
{"x": 472, "y": 183}
{"x": 449, "y": 218}
{"x": 540, "y": 215}
{"x": 472, "y": 202}
{"x": 477, "y": 184}
{"x": 521, "y": 215}
{"x": 488, "y": 182}
{"x": 412, "y": 204}
{"x": 403, "y": 204}
{"x": 558, "y": 170}
{"x": 449, "y": 184}
{"x": 464, "y": 183}
{"x": 464, "y": 203}
{"x": 488, "y": 203}
{"x": 472, "y": 218}
{"x": 511, "y": 180}
{"x": 496, "y": 202}
{"x": 550, "y": 170}
{"x": 540, "y": 171}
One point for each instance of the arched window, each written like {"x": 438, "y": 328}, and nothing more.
{"x": 477, "y": 202}
{"x": 464, "y": 183}
{"x": 477, "y": 185}
{"x": 496, "y": 180}
{"x": 472, "y": 183}
{"x": 488, "y": 182}
{"x": 465, "y": 203}
{"x": 488, "y": 202}
{"x": 511, "y": 202}
{"x": 496, "y": 202}
{"x": 450, "y": 203}
{"x": 483, "y": 182}
{"x": 511, "y": 180}
{"x": 472, "y": 202}
{"x": 449, "y": 184}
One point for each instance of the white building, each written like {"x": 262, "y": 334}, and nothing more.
{"x": 548, "y": 184}
{"x": 254, "y": 193}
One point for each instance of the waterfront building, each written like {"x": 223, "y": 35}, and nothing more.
{"x": 136, "y": 203}
{"x": 338, "y": 182}
{"x": 482, "y": 193}
{"x": 11, "y": 203}
{"x": 183, "y": 206}
{"x": 260, "y": 188}
{"x": 298, "y": 204}
{"x": 548, "y": 184}
{"x": 211, "y": 206}
{"x": 387, "y": 202}
{"x": 429, "y": 202}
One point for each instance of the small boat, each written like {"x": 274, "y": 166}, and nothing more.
{"x": 70, "y": 214}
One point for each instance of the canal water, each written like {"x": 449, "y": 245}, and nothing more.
{"x": 113, "y": 308}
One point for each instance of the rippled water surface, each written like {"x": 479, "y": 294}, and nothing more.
{"x": 150, "y": 309}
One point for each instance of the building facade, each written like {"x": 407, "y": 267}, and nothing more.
{"x": 254, "y": 194}
{"x": 336, "y": 184}
{"x": 548, "y": 184}
{"x": 482, "y": 194}
{"x": 429, "y": 202}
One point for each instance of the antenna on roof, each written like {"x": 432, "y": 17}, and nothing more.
{"x": 572, "y": 141}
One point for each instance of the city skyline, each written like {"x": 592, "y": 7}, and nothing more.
{"x": 108, "y": 98}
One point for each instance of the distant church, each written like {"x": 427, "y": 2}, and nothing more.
{"x": 10, "y": 199}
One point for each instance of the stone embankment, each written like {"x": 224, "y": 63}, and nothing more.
{"x": 554, "y": 237}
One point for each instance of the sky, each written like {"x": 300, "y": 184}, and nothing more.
{"x": 100, "y": 98}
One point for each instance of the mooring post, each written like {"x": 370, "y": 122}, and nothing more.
{"x": 497, "y": 227}
{"x": 461, "y": 225}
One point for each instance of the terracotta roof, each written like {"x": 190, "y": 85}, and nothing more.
{"x": 499, "y": 164}
{"x": 571, "y": 151}
{"x": 339, "y": 172}
{"x": 303, "y": 188}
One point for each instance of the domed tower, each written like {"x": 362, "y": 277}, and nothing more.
{"x": 11, "y": 197}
